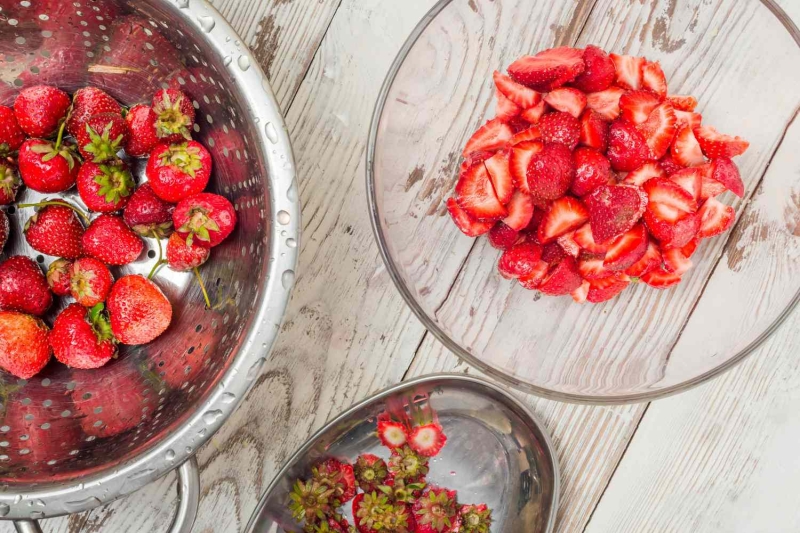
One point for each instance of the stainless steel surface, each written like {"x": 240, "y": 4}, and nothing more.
{"x": 188, "y": 381}
{"x": 497, "y": 453}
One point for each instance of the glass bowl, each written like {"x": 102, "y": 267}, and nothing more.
{"x": 741, "y": 59}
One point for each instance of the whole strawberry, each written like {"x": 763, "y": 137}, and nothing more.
{"x": 108, "y": 411}
{"x": 89, "y": 281}
{"x": 23, "y": 344}
{"x": 111, "y": 241}
{"x": 437, "y": 511}
{"x": 206, "y": 219}
{"x": 138, "y": 309}
{"x": 475, "y": 518}
{"x": 174, "y": 115}
{"x": 102, "y": 136}
{"x": 370, "y": 472}
{"x": 9, "y": 183}
{"x": 23, "y": 287}
{"x": 11, "y": 136}
{"x": 147, "y": 214}
{"x": 81, "y": 337}
{"x": 48, "y": 167}
{"x": 105, "y": 187}
{"x": 86, "y": 102}
{"x": 142, "y": 138}
{"x": 58, "y": 274}
{"x": 370, "y": 510}
{"x": 40, "y": 109}
{"x": 176, "y": 171}
{"x": 55, "y": 230}
{"x": 407, "y": 465}
{"x": 5, "y": 229}
{"x": 183, "y": 257}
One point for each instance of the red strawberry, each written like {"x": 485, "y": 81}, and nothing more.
{"x": 178, "y": 170}
{"x": 550, "y": 172}
{"x": 369, "y": 512}
{"x": 592, "y": 170}
{"x": 138, "y": 309}
{"x": 337, "y": 475}
{"x": 669, "y": 165}
{"x": 534, "y": 114}
{"x": 659, "y": 130}
{"x": 568, "y": 244}
{"x": 687, "y": 118}
{"x": 562, "y": 279}
{"x": 81, "y": 338}
{"x": 23, "y": 287}
{"x": 645, "y": 172}
{"x": 629, "y": 71}
{"x": 475, "y": 518}
{"x": 660, "y": 278}
{"x": 604, "y": 289}
{"x": 715, "y": 144}
{"x": 148, "y": 215}
{"x": 682, "y": 103}
{"x": 87, "y": 102}
{"x": 590, "y": 266}
{"x": 24, "y": 351}
{"x": 548, "y": 69}
{"x": 537, "y": 275}
{"x": 108, "y": 411}
{"x": 40, "y": 109}
{"x": 668, "y": 199}
{"x": 686, "y": 150}
{"x": 427, "y": 440}
{"x": 520, "y": 95}
{"x": 594, "y": 131}
{"x": 672, "y": 234}
{"x": 715, "y": 218}
{"x": 111, "y": 241}
{"x": 142, "y": 138}
{"x": 560, "y": 128}
{"x": 651, "y": 260}
{"x": 520, "y": 211}
{"x": 690, "y": 180}
{"x": 614, "y": 209}
{"x": 536, "y": 221}
{"x": 567, "y": 100}
{"x": 580, "y": 294}
{"x": 468, "y": 225}
{"x": 653, "y": 79}
{"x": 726, "y": 172}
{"x": 584, "y": 238}
{"x": 637, "y": 106}
{"x": 691, "y": 248}
{"x": 392, "y": 434}
{"x": 502, "y": 237}
{"x": 675, "y": 262}
{"x": 5, "y": 229}
{"x": 600, "y": 72}
{"x": 174, "y": 115}
{"x": 474, "y": 158}
{"x": 627, "y": 249}
{"x": 370, "y": 471}
{"x": 55, "y": 230}
{"x": 565, "y": 214}
{"x": 531, "y": 134}
{"x": 711, "y": 187}
{"x": 184, "y": 257}
{"x": 475, "y": 194}
{"x": 205, "y": 219}
{"x": 552, "y": 253}
{"x": 105, "y": 187}
{"x": 90, "y": 281}
{"x": 102, "y": 136}
{"x": 491, "y": 136}
{"x": 500, "y": 175}
{"x": 58, "y": 277}
{"x": 45, "y": 168}
{"x": 519, "y": 161}
{"x": 436, "y": 511}
{"x": 519, "y": 260}
{"x": 11, "y": 136}
{"x": 9, "y": 183}
{"x": 627, "y": 147}
{"x": 606, "y": 103}
{"x": 505, "y": 109}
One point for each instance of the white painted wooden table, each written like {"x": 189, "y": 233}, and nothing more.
{"x": 719, "y": 458}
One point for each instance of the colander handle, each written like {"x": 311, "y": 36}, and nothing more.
{"x": 188, "y": 501}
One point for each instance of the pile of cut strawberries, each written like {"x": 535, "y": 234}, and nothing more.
{"x": 51, "y": 143}
{"x": 592, "y": 176}
{"x": 395, "y": 497}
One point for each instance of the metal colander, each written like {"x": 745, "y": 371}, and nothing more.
{"x": 61, "y": 450}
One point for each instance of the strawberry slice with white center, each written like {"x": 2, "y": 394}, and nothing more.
{"x": 520, "y": 211}
{"x": 580, "y": 294}
{"x": 506, "y": 109}
{"x": 644, "y": 173}
{"x": 567, "y": 100}
{"x": 531, "y": 134}
{"x": 711, "y": 187}
{"x": 625, "y": 250}
{"x": 688, "y": 118}
{"x": 520, "y": 159}
{"x": 726, "y": 172}
{"x": 536, "y": 276}
{"x": 500, "y": 174}
{"x": 533, "y": 114}
{"x": 661, "y": 279}
{"x": 715, "y": 144}
{"x": 686, "y": 150}
{"x": 548, "y": 69}
{"x": 591, "y": 266}
{"x": 606, "y": 103}
{"x": 491, "y": 136}
{"x": 475, "y": 194}
{"x": 568, "y": 244}
{"x": 653, "y": 79}
{"x": 715, "y": 218}
{"x": 651, "y": 260}
{"x": 468, "y": 225}
{"x": 683, "y": 103}
{"x": 604, "y": 289}
{"x": 522, "y": 96}
{"x": 584, "y": 238}
{"x": 565, "y": 214}
{"x": 691, "y": 180}
{"x": 392, "y": 434}
{"x": 660, "y": 129}
{"x": 594, "y": 131}
{"x": 668, "y": 200}
{"x": 637, "y": 106}
{"x": 427, "y": 440}
{"x": 675, "y": 262}
{"x": 629, "y": 71}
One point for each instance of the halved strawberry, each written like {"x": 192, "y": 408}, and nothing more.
{"x": 475, "y": 157}
{"x": 606, "y": 103}
{"x": 672, "y": 234}
{"x": 550, "y": 172}
{"x": 537, "y": 275}
{"x": 675, "y": 262}
{"x": 600, "y": 72}
{"x": 669, "y": 200}
{"x": 580, "y": 294}
{"x": 506, "y": 109}
{"x": 590, "y": 266}
{"x": 584, "y": 238}
{"x": 715, "y": 218}
{"x": 392, "y": 434}
{"x": 468, "y": 225}
{"x": 629, "y": 71}
{"x": 592, "y": 170}
{"x": 688, "y": 118}
{"x": 691, "y": 180}
{"x": 651, "y": 260}
{"x": 565, "y": 214}
{"x": 715, "y": 144}
{"x": 567, "y": 100}
{"x": 726, "y": 172}
{"x": 604, "y": 289}
{"x": 520, "y": 211}
{"x": 475, "y": 194}
{"x": 637, "y": 106}
{"x": 711, "y": 187}
{"x": 683, "y": 103}
{"x": 534, "y": 114}
{"x": 500, "y": 174}
{"x": 691, "y": 248}
{"x": 531, "y": 134}
{"x": 660, "y": 129}
{"x": 520, "y": 95}
{"x": 614, "y": 210}
{"x": 520, "y": 159}
{"x": 519, "y": 260}
{"x": 502, "y": 237}
{"x": 686, "y": 150}
{"x": 548, "y": 69}
{"x": 627, "y": 147}
{"x": 645, "y": 172}
{"x": 491, "y": 136}
{"x": 653, "y": 79}
{"x": 568, "y": 244}
{"x": 427, "y": 440}
{"x": 660, "y": 279}
{"x": 562, "y": 279}
{"x": 536, "y": 221}
{"x": 561, "y": 128}
{"x": 625, "y": 250}
{"x": 594, "y": 131}
{"x": 669, "y": 165}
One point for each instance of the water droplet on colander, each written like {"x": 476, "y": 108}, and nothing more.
{"x": 17, "y": 499}
{"x": 183, "y": 4}
{"x": 209, "y": 417}
{"x": 227, "y": 60}
{"x": 170, "y": 455}
{"x": 228, "y": 397}
{"x": 206, "y": 22}
{"x": 91, "y": 501}
{"x": 4, "y": 509}
{"x": 37, "y": 515}
{"x": 291, "y": 194}
{"x": 287, "y": 278}
{"x": 272, "y": 133}
{"x": 244, "y": 62}
{"x": 291, "y": 243}
{"x": 255, "y": 370}
{"x": 284, "y": 217}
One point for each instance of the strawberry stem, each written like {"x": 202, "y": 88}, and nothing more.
{"x": 202, "y": 287}
{"x": 60, "y": 134}
{"x": 160, "y": 261}
{"x": 46, "y": 203}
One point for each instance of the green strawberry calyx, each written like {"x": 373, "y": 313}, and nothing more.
{"x": 184, "y": 157}
{"x": 170, "y": 119}
{"x": 59, "y": 203}
{"x": 476, "y": 519}
{"x": 9, "y": 181}
{"x": 198, "y": 225}
{"x": 51, "y": 151}
{"x": 98, "y": 319}
{"x": 101, "y": 146}
{"x": 115, "y": 183}
{"x": 436, "y": 510}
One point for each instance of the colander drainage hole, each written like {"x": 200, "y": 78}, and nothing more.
{"x": 151, "y": 254}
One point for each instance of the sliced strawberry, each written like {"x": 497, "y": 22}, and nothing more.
{"x": 594, "y": 131}
{"x": 651, "y": 260}
{"x": 491, "y": 136}
{"x": 627, "y": 147}
{"x": 502, "y": 237}
{"x": 518, "y": 124}
{"x": 602, "y": 290}
{"x": 531, "y": 134}
{"x": 520, "y": 211}
{"x": 726, "y": 172}
{"x": 475, "y": 194}
{"x": 669, "y": 165}
{"x": 592, "y": 170}
{"x": 711, "y": 187}
{"x": 552, "y": 253}
{"x": 660, "y": 129}
{"x": 565, "y": 214}
{"x": 683, "y": 103}
{"x": 653, "y": 79}
{"x": 686, "y": 150}
{"x": 600, "y": 72}
{"x": 688, "y": 118}
{"x": 675, "y": 262}
{"x": 392, "y": 434}
{"x": 506, "y": 109}
{"x": 568, "y": 244}
{"x": 627, "y": 249}
{"x": 580, "y": 294}
{"x": 519, "y": 260}
{"x": 567, "y": 100}
{"x": 590, "y": 266}
{"x": 691, "y": 248}
{"x": 715, "y": 144}
{"x": 427, "y": 440}
{"x": 672, "y": 234}
{"x": 536, "y": 221}
{"x": 606, "y": 103}
{"x": 560, "y": 128}
{"x": 637, "y": 106}
{"x": 629, "y": 71}
{"x": 645, "y": 172}
{"x": 660, "y": 279}
{"x": 614, "y": 210}
{"x": 715, "y": 218}
{"x": 669, "y": 200}
{"x": 520, "y": 159}
{"x": 548, "y": 69}
{"x": 465, "y": 222}
{"x": 691, "y": 180}
{"x": 537, "y": 275}
{"x": 562, "y": 279}
{"x": 500, "y": 174}
{"x": 475, "y": 157}
{"x": 534, "y": 114}
{"x": 550, "y": 172}
{"x": 520, "y": 95}
{"x": 584, "y": 238}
